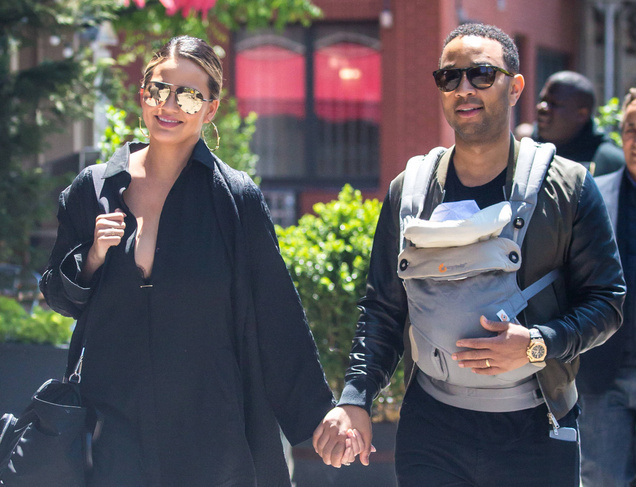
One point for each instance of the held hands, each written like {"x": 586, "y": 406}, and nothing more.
{"x": 495, "y": 355}
{"x": 344, "y": 433}
{"x": 109, "y": 229}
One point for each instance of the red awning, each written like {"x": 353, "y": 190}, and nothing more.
{"x": 347, "y": 83}
{"x": 270, "y": 81}
{"x": 173, "y": 6}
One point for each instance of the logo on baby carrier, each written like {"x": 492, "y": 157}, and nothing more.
{"x": 444, "y": 268}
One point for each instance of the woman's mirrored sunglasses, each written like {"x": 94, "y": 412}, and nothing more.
{"x": 480, "y": 77}
{"x": 188, "y": 99}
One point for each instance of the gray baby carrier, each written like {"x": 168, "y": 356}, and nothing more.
{"x": 454, "y": 271}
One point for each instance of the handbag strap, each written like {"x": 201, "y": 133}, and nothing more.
{"x": 76, "y": 376}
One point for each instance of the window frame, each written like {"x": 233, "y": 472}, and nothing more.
{"x": 311, "y": 177}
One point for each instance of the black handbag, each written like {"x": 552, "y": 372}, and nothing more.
{"x": 50, "y": 444}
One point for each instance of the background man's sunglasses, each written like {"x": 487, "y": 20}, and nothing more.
{"x": 188, "y": 99}
{"x": 480, "y": 77}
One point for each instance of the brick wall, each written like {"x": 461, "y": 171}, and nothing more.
{"x": 412, "y": 120}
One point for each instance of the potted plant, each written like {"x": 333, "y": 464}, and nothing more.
{"x": 327, "y": 255}
{"x": 33, "y": 349}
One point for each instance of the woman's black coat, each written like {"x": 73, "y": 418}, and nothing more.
{"x": 282, "y": 381}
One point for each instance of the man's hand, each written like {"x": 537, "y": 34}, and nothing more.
{"x": 344, "y": 432}
{"x": 495, "y": 355}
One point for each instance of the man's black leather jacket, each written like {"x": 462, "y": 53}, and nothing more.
{"x": 570, "y": 230}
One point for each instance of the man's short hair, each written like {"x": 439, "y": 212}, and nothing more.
{"x": 577, "y": 84}
{"x": 510, "y": 51}
{"x": 630, "y": 98}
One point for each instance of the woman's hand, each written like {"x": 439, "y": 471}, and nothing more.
{"x": 343, "y": 433}
{"x": 109, "y": 229}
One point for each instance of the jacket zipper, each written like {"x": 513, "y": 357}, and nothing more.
{"x": 551, "y": 418}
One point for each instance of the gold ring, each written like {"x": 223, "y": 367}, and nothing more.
{"x": 487, "y": 363}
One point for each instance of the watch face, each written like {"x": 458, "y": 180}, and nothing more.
{"x": 537, "y": 351}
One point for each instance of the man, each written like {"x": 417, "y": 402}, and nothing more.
{"x": 565, "y": 118}
{"x": 607, "y": 378}
{"x": 520, "y": 427}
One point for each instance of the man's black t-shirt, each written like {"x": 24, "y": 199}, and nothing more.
{"x": 486, "y": 195}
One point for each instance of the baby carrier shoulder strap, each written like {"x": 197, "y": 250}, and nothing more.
{"x": 417, "y": 177}
{"x": 530, "y": 170}
{"x": 532, "y": 166}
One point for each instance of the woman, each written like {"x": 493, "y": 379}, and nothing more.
{"x": 196, "y": 344}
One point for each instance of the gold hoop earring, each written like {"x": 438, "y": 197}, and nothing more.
{"x": 218, "y": 137}
{"x": 145, "y": 134}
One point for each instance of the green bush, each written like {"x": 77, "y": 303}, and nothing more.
{"x": 327, "y": 255}
{"x": 609, "y": 118}
{"x": 42, "y": 326}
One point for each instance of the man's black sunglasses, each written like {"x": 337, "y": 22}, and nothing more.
{"x": 481, "y": 77}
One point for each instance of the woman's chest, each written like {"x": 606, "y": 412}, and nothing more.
{"x": 176, "y": 233}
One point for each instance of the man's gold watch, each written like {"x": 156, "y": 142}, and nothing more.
{"x": 536, "y": 350}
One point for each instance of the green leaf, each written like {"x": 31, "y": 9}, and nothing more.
{"x": 609, "y": 118}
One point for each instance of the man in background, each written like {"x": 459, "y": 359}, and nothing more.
{"x": 565, "y": 117}
{"x": 607, "y": 378}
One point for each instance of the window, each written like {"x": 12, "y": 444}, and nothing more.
{"x": 317, "y": 94}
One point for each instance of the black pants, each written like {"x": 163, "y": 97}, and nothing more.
{"x": 443, "y": 446}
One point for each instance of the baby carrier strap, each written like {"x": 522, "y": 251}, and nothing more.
{"x": 417, "y": 177}
{"x": 540, "y": 284}
{"x": 532, "y": 166}
{"x": 530, "y": 170}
